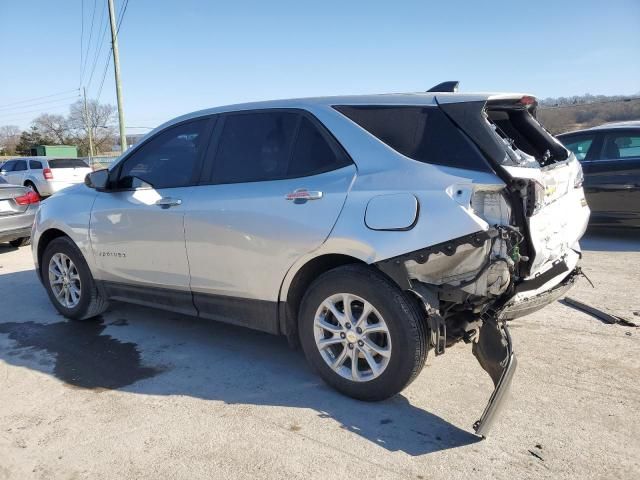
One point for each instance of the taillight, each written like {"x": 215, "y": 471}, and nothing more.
{"x": 28, "y": 198}
{"x": 48, "y": 174}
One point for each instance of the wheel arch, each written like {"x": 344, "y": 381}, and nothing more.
{"x": 45, "y": 239}
{"x": 296, "y": 284}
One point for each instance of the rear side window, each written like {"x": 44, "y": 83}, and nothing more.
{"x": 20, "y": 166}
{"x": 424, "y": 134}
{"x": 35, "y": 165}
{"x": 621, "y": 145}
{"x": 580, "y": 146}
{"x": 254, "y": 147}
{"x": 313, "y": 153}
{"x": 67, "y": 163}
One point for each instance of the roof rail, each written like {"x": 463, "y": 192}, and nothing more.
{"x": 448, "y": 86}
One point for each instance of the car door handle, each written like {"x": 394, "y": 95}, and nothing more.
{"x": 302, "y": 195}
{"x": 168, "y": 202}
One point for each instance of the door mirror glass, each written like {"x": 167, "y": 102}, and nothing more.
{"x": 98, "y": 179}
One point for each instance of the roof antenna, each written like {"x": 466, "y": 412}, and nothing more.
{"x": 449, "y": 86}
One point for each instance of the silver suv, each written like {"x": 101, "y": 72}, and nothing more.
{"x": 45, "y": 175}
{"x": 368, "y": 229}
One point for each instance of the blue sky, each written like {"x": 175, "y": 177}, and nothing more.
{"x": 183, "y": 55}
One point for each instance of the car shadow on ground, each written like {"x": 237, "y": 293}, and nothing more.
{"x": 611, "y": 240}
{"x": 144, "y": 351}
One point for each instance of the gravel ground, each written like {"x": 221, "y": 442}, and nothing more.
{"x": 147, "y": 394}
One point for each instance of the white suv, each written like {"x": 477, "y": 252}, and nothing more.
{"x": 369, "y": 229}
{"x": 45, "y": 175}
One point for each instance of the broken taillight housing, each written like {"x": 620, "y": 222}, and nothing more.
{"x": 535, "y": 197}
{"x": 28, "y": 198}
{"x": 579, "y": 178}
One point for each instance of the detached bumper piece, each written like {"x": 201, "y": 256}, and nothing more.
{"x": 494, "y": 352}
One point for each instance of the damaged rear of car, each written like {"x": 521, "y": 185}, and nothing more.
{"x": 522, "y": 192}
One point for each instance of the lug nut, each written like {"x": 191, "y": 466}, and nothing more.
{"x": 359, "y": 330}
{"x": 348, "y": 325}
{"x": 342, "y": 335}
{"x": 351, "y": 345}
{"x": 360, "y": 343}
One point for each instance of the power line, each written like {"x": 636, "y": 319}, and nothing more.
{"x": 81, "y": 40}
{"x": 28, "y": 100}
{"x": 14, "y": 114}
{"x": 98, "y": 47}
{"x": 31, "y": 105}
{"x": 106, "y": 66}
{"x": 86, "y": 55}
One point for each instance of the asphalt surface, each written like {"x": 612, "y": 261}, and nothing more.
{"x": 146, "y": 394}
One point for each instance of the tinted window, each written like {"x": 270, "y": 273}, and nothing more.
{"x": 8, "y": 166}
{"x": 621, "y": 145}
{"x": 254, "y": 146}
{"x": 169, "y": 159}
{"x": 580, "y": 146}
{"x": 2, "y": 180}
{"x": 312, "y": 152}
{"x": 35, "y": 165}
{"x": 422, "y": 133}
{"x": 67, "y": 163}
{"x": 20, "y": 166}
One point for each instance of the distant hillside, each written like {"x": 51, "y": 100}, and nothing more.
{"x": 564, "y": 114}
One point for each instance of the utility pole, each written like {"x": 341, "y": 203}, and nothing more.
{"x": 116, "y": 68}
{"x": 87, "y": 121}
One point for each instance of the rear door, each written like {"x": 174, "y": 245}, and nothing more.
{"x": 137, "y": 228}
{"x": 612, "y": 178}
{"x": 275, "y": 184}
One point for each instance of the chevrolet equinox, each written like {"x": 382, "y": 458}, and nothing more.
{"x": 367, "y": 229}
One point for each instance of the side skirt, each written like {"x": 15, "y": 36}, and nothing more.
{"x": 255, "y": 314}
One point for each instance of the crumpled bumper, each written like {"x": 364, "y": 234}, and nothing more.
{"x": 494, "y": 348}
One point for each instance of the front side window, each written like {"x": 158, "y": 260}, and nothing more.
{"x": 8, "y": 166}
{"x": 421, "y": 133}
{"x": 580, "y": 145}
{"x": 168, "y": 160}
{"x": 621, "y": 145}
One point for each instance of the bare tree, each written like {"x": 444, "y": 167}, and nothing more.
{"x": 9, "y": 139}
{"x": 53, "y": 126}
{"x": 99, "y": 119}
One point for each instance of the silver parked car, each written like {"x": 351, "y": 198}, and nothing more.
{"x": 18, "y": 207}
{"x": 370, "y": 229}
{"x": 45, "y": 175}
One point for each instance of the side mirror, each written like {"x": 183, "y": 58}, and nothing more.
{"x": 98, "y": 179}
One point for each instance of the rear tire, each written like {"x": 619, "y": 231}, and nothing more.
{"x": 387, "y": 360}
{"x": 32, "y": 187}
{"x": 20, "y": 242}
{"x": 68, "y": 281}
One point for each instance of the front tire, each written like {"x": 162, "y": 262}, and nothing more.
{"x": 364, "y": 336}
{"x": 68, "y": 281}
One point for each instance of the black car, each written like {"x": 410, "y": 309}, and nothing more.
{"x": 610, "y": 157}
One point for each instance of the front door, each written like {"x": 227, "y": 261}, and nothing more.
{"x": 276, "y": 187}
{"x": 137, "y": 228}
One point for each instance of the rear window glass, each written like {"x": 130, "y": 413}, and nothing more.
{"x": 67, "y": 163}
{"x": 422, "y": 133}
